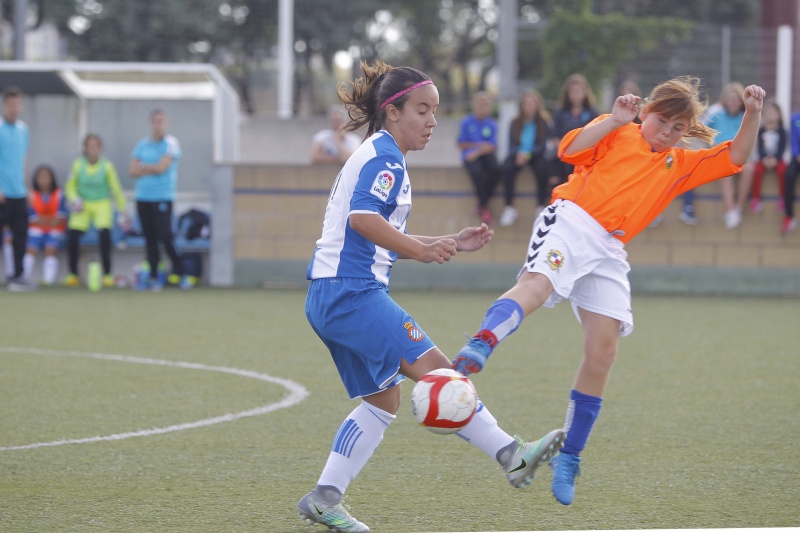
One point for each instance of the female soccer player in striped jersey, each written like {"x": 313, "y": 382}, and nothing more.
{"x": 373, "y": 341}
{"x": 625, "y": 175}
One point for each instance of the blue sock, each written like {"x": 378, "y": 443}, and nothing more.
{"x": 501, "y": 320}
{"x": 581, "y": 414}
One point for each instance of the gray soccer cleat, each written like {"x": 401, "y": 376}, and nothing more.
{"x": 529, "y": 456}
{"x": 334, "y": 517}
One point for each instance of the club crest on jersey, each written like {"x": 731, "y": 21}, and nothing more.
{"x": 414, "y": 333}
{"x": 383, "y": 183}
{"x": 555, "y": 259}
{"x": 669, "y": 161}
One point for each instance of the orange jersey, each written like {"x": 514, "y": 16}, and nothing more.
{"x": 52, "y": 207}
{"x": 624, "y": 185}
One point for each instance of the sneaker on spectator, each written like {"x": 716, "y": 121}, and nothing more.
{"x": 185, "y": 283}
{"x": 71, "y": 281}
{"x": 687, "y": 217}
{"x": 108, "y": 281}
{"x": 20, "y": 284}
{"x": 485, "y": 215}
{"x": 733, "y": 218}
{"x": 509, "y": 216}
{"x": 656, "y": 221}
{"x": 755, "y": 206}
{"x": 788, "y": 224}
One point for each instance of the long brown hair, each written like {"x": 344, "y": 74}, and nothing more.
{"x": 364, "y": 96}
{"x": 680, "y": 98}
{"x": 542, "y": 118}
{"x": 563, "y": 96}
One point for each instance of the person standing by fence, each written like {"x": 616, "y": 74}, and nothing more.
{"x": 154, "y": 166}
{"x": 14, "y": 141}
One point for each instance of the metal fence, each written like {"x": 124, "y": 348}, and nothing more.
{"x": 716, "y": 54}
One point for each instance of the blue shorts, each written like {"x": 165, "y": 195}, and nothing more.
{"x": 39, "y": 239}
{"x": 367, "y": 333}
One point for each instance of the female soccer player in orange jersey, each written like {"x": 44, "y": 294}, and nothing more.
{"x": 625, "y": 175}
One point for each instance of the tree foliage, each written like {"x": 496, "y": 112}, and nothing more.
{"x": 452, "y": 40}
{"x": 595, "y": 45}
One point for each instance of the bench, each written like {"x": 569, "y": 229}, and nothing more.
{"x": 134, "y": 240}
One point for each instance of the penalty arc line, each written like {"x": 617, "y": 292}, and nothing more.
{"x": 297, "y": 393}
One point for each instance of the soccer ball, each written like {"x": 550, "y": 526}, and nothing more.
{"x": 444, "y": 401}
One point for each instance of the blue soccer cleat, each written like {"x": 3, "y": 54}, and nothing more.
{"x": 565, "y": 467}
{"x": 472, "y": 357}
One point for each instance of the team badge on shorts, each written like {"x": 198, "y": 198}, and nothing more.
{"x": 669, "y": 161}
{"x": 555, "y": 259}
{"x": 383, "y": 183}
{"x": 414, "y": 333}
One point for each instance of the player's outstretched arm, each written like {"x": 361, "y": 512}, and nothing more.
{"x": 469, "y": 239}
{"x": 376, "y": 229}
{"x": 742, "y": 145}
{"x": 625, "y": 109}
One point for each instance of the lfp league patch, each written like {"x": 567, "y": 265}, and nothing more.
{"x": 383, "y": 184}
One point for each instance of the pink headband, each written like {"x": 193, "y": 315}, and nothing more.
{"x": 403, "y": 92}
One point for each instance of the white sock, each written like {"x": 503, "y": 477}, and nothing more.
{"x": 28, "y": 261}
{"x": 50, "y": 269}
{"x": 358, "y": 436}
{"x": 484, "y": 433}
{"x": 8, "y": 257}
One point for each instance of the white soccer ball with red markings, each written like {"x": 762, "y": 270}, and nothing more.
{"x": 444, "y": 401}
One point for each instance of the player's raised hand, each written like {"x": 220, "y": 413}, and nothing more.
{"x": 754, "y": 98}
{"x": 439, "y": 251}
{"x": 625, "y": 109}
{"x": 473, "y": 238}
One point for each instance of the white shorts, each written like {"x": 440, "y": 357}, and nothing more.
{"x": 585, "y": 263}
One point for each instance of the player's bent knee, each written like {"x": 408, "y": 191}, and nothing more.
{"x": 431, "y": 360}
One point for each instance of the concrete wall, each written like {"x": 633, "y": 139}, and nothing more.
{"x": 278, "y": 209}
{"x": 122, "y": 123}
{"x": 54, "y": 133}
{"x": 54, "y": 123}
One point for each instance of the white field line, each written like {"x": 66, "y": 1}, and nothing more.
{"x": 297, "y": 393}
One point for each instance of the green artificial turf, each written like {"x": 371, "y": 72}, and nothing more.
{"x": 698, "y": 427}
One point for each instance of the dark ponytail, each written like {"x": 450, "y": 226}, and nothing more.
{"x": 380, "y": 82}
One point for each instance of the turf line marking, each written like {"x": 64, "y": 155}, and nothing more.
{"x": 297, "y": 393}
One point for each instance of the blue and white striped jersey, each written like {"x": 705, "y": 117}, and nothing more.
{"x": 374, "y": 180}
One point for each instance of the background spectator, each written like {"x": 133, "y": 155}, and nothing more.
{"x": 630, "y": 87}
{"x": 726, "y": 121}
{"x": 789, "y": 223}
{"x": 154, "y": 166}
{"x": 528, "y": 136}
{"x": 14, "y": 140}
{"x": 477, "y": 140}
{"x": 332, "y": 146}
{"x": 89, "y": 189}
{"x": 771, "y": 147}
{"x": 576, "y": 108}
{"x": 47, "y": 222}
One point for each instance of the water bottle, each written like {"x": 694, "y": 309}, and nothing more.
{"x": 95, "y": 276}
{"x": 142, "y": 276}
{"x": 162, "y": 273}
